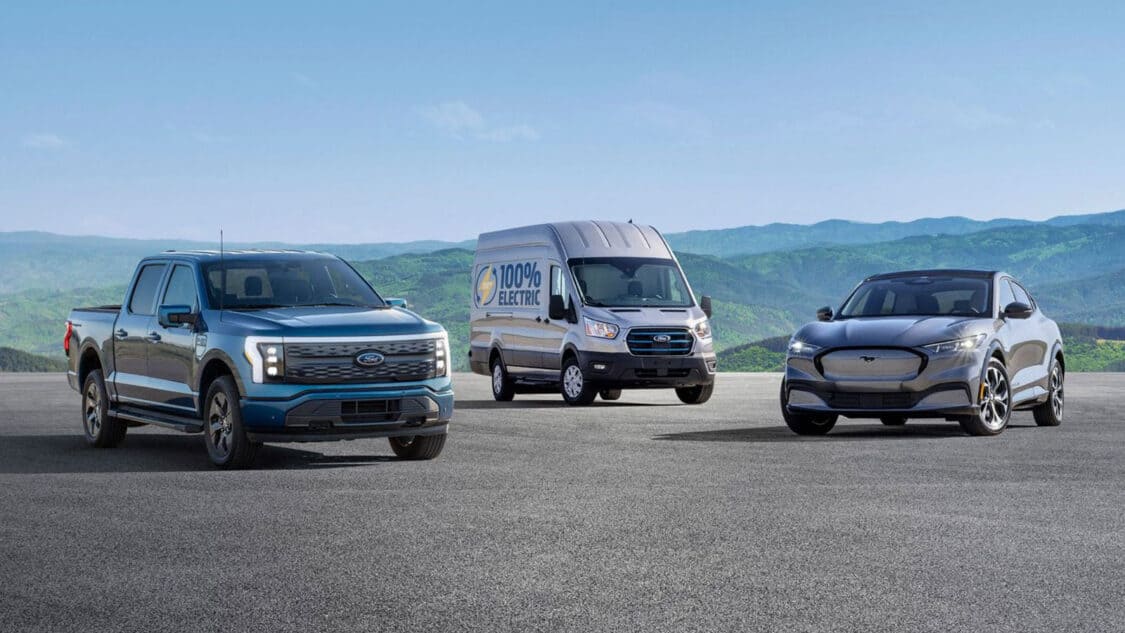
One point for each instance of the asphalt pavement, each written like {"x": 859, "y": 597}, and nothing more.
{"x": 636, "y": 515}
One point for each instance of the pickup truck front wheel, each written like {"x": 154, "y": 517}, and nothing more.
{"x": 227, "y": 444}
{"x": 102, "y": 430}
{"x": 418, "y": 446}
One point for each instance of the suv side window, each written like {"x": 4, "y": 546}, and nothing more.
{"x": 181, "y": 288}
{"x": 1021, "y": 294}
{"x": 143, "y": 301}
{"x": 1007, "y": 295}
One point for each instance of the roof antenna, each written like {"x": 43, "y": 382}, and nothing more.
{"x": 222, "y": 267}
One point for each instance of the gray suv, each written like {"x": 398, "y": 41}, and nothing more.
{"x": 963, "y": 345}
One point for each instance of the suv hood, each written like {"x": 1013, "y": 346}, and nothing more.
{"x": 905, "y": 331}
{"x": 330, "y": 322}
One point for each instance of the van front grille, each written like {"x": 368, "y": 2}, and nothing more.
{"x": 660, "y": 341}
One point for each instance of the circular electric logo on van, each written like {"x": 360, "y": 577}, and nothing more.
{"x": 486, "y": 286}
{"x": 369, "y": 359}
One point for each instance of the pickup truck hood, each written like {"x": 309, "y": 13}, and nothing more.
{"x": 905, "y": 331}
{"x": 330, "y": 322}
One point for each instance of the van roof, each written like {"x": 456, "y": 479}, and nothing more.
{"x": 586, "y": 238}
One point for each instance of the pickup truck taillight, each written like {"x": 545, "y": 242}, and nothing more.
{"x": 69, "y": 333}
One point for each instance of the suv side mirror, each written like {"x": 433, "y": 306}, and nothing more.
{"x": 705, "y": 305}
{"x": 175, "y": 316}
{"x": 1017, "y": 310}
{"x": 556, "y": 307}
{"x": 824, "y": 314}
{"x": 397, "y": 302}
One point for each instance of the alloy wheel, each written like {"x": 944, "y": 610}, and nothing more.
{"x": 994, "y": 403}
{"x": 93, "y": 410}
{"x": 1057, "y": 392}
{"x": 220, "y": 425}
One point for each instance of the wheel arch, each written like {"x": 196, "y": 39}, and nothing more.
{"x": 88, "y": 360}
{"x": 212, "y": 366}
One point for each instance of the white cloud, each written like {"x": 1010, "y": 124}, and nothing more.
{"x": 45, "y": 140}
{"x": 461, "y": 121}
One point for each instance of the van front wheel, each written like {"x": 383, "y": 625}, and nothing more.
{"x": 575, "y": 389}
{"x": 695, "y": 395}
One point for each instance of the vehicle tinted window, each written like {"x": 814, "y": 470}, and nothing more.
{"x": 1006, "y": 294}
{"x": 1021, "y": 294}
{"x": 558, "y": 282}
{"x": 288, "y": 283}
{"x": 143, "y": 300}
{"x": 181, "y": 288}
{"x": 630, "y": 282}
{"x": 920, "y": 296}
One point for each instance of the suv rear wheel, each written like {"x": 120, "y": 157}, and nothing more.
{"x": 995, "y": 402}
{"x": 1050, "y": 413}
{"x": 802, "y": 423}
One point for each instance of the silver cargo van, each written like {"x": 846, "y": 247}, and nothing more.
{"x": 588, "y": 308}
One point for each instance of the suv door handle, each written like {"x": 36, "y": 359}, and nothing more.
{"x": 153, "y": 337}
{"x": 120, "y": 333}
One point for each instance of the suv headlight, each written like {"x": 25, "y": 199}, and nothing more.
{"x": 441, "y": 356}
{"x": 600, "y": 329}
{"x": 703, "y": 329}
{"x": 798, "y": 347}
{"x": 957, "y": 345}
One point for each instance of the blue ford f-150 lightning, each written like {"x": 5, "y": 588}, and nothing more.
{"x": 260, "y": 346}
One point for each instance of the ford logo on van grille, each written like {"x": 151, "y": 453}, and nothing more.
{"x": 369, "y": 359}
{"x": 661, "y": 338}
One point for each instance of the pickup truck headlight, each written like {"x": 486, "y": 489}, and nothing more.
{"x": 267, "y": 360}
{"x": 703, "y": 329}
{"x": 441, "y": 356}
{"x": 957, "y": 345}
{"x": 798, "y": 347}
{"x": 600, "y": 329}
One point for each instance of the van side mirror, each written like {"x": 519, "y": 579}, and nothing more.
{"x": 397, "y": 302}
{"x": 824, "y": 314}
{"x": 556, "y": 307}
{"x": 1017, "y": 310}
{"x": 175, "y": 316}
{"x": 705, "y": 305}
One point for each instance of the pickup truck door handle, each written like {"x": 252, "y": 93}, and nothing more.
{"x": 153, "y": 337}
{"x": 120, "y": 333}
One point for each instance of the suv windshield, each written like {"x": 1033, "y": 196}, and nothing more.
{"x": 630, "y": 282}
{"x": 288, "y": 283}
{"x": 921, "y": 296}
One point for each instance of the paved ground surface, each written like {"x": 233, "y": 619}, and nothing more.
{"x": 638, "y": 515}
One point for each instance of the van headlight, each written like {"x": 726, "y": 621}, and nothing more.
{"x": 703, "y": 329}
{"x": 957, "y": 345}
{"x": 797, "y": 347}
{"x": 600, "y": 329}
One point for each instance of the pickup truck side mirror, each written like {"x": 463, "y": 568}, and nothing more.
{"x": 397, "y": 302}
{"x": 176, "y": 316}
{"x": 824, "y": 314}
{"x": 1017, "y": 310}
{"x": 556, "y": 307}
{"x": 705, "y": 305}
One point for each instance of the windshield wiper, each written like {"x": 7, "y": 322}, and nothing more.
{"x": 257, "y": 306}
{"x": 332, "y": 304}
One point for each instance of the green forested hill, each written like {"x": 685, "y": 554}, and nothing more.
{"x": 18, "y": 360}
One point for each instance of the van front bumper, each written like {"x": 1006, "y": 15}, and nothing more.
{"x": 343, "y": 413}
{"x": 628, "y": 370}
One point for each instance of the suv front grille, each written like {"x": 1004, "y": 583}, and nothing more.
{"x": 335, "y": 363}
{"x": 672, "y": 341}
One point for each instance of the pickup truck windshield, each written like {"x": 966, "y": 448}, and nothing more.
{"x": 288, "y": 283}
{"x": 634, "y": 282}
{"x": 920, "y": 296}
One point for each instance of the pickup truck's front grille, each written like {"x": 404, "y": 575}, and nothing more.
{"x": 335, "y": 363}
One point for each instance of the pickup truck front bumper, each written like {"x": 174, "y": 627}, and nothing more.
{"x": 320, "y": 415}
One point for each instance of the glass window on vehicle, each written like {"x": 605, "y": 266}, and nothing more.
{"x": 920, "y": 296}
{"x": 630, "y": 282}
{"x": 558, "y": 283}
{"x": 1021, "y": 294}
{"x": 143, "y": 300}
{"x": 181, "y": 288}
{"x": 287, "y": 283}
{"x": 1007, "y": 295}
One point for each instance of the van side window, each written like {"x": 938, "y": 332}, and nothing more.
{"x": 558, "y": 284}
{"x": 143, "y": 301}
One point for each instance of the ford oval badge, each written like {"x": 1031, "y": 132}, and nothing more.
{"x": 662, "y": 338}
{"x": 369, "y": 359}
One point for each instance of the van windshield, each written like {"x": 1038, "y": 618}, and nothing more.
{"x": 260, "y": 283}
{"x": 630, "y": 282}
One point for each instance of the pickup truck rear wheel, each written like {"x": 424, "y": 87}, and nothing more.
{"x": 418, "y": 446}
{"x": 224, "y": 435}
{"x": 101, "y": 429}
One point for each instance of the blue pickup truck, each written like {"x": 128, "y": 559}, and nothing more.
{"x": 250, "y": 347}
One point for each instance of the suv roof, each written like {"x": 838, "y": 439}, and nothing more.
{"x": 935, "y": 272}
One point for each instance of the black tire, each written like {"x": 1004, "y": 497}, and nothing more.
{"x": 100, "y": 428}
{"x": 503, "y": 389}
{"x": 223, "y": 433}
{"x": 610, "y": 394}
{"x": 695, "y": 395}
{"x": 417, "y": 446}
{"x": 1050, "y": 413}
{"x": 803, "y": 424}
{"x": 576, "y": 390}
{"x": 995, "y": 402}
{"x": 893, "y": 420}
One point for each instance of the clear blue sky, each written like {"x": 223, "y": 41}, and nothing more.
{"x": 368, "y": 122}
